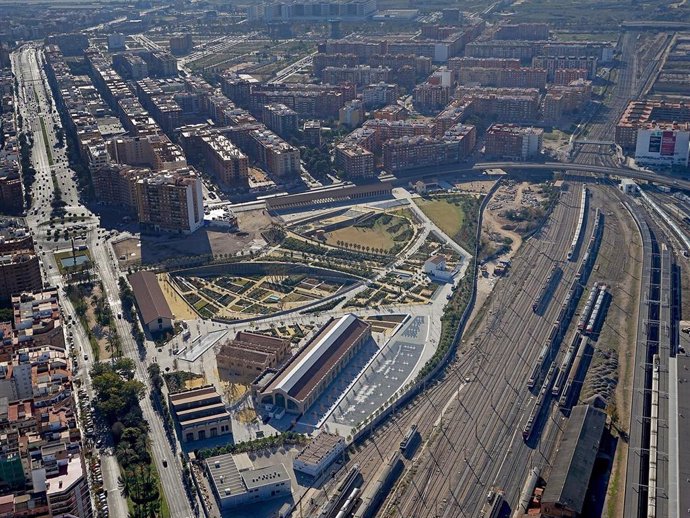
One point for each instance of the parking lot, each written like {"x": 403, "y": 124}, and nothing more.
{"x": 393, "y": 367}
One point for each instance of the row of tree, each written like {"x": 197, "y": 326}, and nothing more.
{"x": 117, "y": 400}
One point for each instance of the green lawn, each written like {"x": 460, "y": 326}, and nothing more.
{"x": 383, "y": 234}
{"x": 456, "y": 215}
{"x": 164, "y": 510}
{"x": 46, "y": 142}
{"x": 448, "y": 216}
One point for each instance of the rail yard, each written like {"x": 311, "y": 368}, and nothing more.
{"x": 499, "y": 410}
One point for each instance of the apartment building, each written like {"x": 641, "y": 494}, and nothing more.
{"x": 565, "y": 76}
{"x": 553, "y": 63}
{"x": 280, "y": 119}
{"x": 116, "y": 185}
{"x": 11, "y": 193}
{"x": 352, "y": 114}
{"x": 359, "y": 75}
{"x": 564, "y": 100}
{"x": 522, "y": 31}
{"x": 640, "y": 114}
{"x": 131, "y": 66}
{"x": 523, "y": 77}
{"x": 274, "y": 154}
{"x": 391, "y": 112}
{"x": 19, "y": 266}
{"x": 161, "y": 64}
{"x": 37, "y": 318}
{"x": 506, "y": 104}
{"x": 457, "y": 64}
{"x": 355, "y": 161}
{"x": 153, "y": 151}
{"x": 512, "y": 142}
{"x": 19, "y": 271}
{"x": 379, "y": 94}
{"x": 170, "y": 201}
{"x": 426, "y": 151}
{"x": 312, "y": 133}
{"x": 181, "y": 44}
{"x": 505, "y": 49}
{"x": 225, "y": 161}
{"x": 429, "y": 97}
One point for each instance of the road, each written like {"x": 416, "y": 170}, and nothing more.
{"x": 36, "y": 103}
{"x": 34, "y": 106}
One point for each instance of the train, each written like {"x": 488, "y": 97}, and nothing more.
{"x": 566, "y": 363}
{"x": 597, "y": 312}
{"x": 536, "y": 371}
{"x": 589, "y": 306}
{"x": 493, "y": 506}
{"x": 547, "y": 290}
{"x": 566, "y": 396}
{"x": 527, "y": 490}
{"x": 539, "y": 403}
{"x": 349, "y": 504}
{"x": 580, "y": 224}
{"x": 409, "y": 442}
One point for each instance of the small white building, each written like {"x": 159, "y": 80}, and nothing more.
{"x": 320, "y": 453}
{"x": 437, "y": 268}
{"x": 628, "y": 186}
{"x": 434, "y": 264}
{"x": 235, "y": 482}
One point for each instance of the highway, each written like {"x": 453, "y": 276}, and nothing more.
{"x": 621, "y": 172}
{"x": 36, "y": 103}
{"x": 284, "y": 74}
{"x": 676, "y": 182}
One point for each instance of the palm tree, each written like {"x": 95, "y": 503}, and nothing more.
{"x": 123, "y": 486}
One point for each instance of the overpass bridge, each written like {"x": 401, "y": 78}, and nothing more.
{"x": 622, "y": 172}
{"x": 593, "y": 143}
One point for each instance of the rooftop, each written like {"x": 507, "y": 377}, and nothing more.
{"x": 319, "y": 447}
{"x": 150, "y": 298}
{"x": 312, "y": 363}
{"x": 574, "y": 461}
{"x": 228, "y": 480}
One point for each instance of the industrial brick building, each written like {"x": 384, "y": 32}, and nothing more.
{"x": 249, "y": 354}
{"x": 200, "y": 413}
{"x": 307, "y": 375}
{"x": 156, "y": 315}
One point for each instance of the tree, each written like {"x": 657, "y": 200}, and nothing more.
{"x": 154, "y": 371}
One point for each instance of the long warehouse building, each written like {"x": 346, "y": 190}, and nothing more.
{"x": 307, "y": 375}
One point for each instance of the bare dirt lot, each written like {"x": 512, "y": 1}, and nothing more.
{"x": 158, "y": 248}
{"x": 128, "y": 252}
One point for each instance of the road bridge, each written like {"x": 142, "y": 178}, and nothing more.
{"x": 622, "y": 172}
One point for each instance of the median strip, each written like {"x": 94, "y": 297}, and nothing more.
{"x": 46, "y": 143}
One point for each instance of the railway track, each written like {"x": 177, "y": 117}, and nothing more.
{"x": 492, "y": 429}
